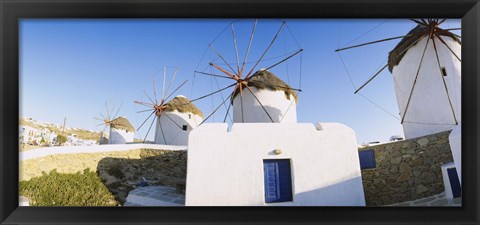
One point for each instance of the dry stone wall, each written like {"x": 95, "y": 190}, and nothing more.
{"x": 138, "y": 161}
{"x": 406, "y": 170}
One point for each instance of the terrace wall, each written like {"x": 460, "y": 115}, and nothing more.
{"x": 407, "y": 170}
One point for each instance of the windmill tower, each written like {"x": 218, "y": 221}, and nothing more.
{"x": 175, "y": 117}
{"x": 121, "y": 130}
{"x": 266, "y": 98}
{"x": 427, "y": 79}
{"x": 258, "y": 96}
{"x": 426, "y": 70}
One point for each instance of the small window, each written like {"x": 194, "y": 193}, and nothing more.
{"x": 444, "y": 72}
{"x": 367, "y": 159}
{"x": 189, "y": 116}
{"x": 277, "y": 180}
{"x": 184, "y": 127}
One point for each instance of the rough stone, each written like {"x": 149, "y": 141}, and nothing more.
{"x": 396, "y": 160}
{"x": 421, "y": 189}
{"x": 422, "y": 142}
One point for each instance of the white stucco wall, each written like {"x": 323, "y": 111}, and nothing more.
{"x": 429, "y": 110}
{"x": 118, "y": 136}
{"x": 446, "y": 180}
{"x": 226, "y": 168}
{"x": 281, "y": 109}
{"x": 174, "y": 135}
{"x": 455, "y": 140}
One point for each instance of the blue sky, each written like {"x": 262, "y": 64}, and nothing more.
{"x": 70, "y": 68}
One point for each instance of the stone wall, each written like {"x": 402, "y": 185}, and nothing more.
{"x": 406, "y": 170}
{"x": 137, "y": 161}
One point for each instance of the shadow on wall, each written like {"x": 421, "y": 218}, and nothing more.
{"x": 345, "y": 193}
{"x": 161, "y": 167}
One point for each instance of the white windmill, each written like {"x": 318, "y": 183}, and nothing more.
{"x": 175, "y": 117}
{"x": 258, "y": 95}
{"x": 121, "y": 130}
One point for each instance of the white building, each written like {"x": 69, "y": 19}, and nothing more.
{"x": 277, "y": 98}
{"x": 273, "y": 164}
{"x": 435, "y": 103}
{"x": 177, "y": 119}
{"x": 121, "y": 131}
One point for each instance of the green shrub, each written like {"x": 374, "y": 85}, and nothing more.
{"x": 61, "y": 139}
{"x": 61, "y": 189}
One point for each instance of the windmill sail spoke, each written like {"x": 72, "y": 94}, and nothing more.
{"x": 161, "y": 129}
{"x": 229, "y": 86}
{"x": 214, "y": 111}
{"x": 116, "y": 114}
{"x": 148, "y": 131}
{"x": 373, "y": 42}
{"x": 163, "y": 85}
{"x": 108, "y": 112}
{"x": 171, "y": 81}
{"x": 212, "y": 74}
{"x": 144, "y": 103}
{"x": 415, "y": 81}
{"x": 419, "y": 22}
{"x": 154, "y": 92}
{"x": 266, "y": 50}
{"x": 146, "y": 120}
{"x": 151, "y": 100}
{"x": 173, "y": 92}
{"x": 236, "y": 49}
{"x": 249, "y": 45}
{"x": 452, "y": 29}
{"x": 441, "y": 21}
{"x": 223, "y": 70}
{"x": 443, "y": 79}
{"x": 173, "y": 121}
{"x": 101, "y": 124}
{"x": 283, "y": 60}
{"x": 226, "y": 114}
{"x": 376, "y": 74}
{"x": 444, "y": 43}
{"x": 368, "y": 81}
{"x": 96, "y": 118}
{"x": 142, "y": 111}
{"x": 223, "y": 59}
{"x": 268, "y": 114}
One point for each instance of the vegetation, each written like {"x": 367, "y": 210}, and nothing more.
{"x": 61, "y": 139}
{"x": 60, "y": 189}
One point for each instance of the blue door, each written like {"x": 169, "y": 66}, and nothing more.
{"x": 278, "y": 180}
{"x": 454, "y": 182}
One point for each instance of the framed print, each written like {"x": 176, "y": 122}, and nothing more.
{"x": 158, "y": 112}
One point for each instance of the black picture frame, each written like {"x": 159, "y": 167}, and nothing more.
{"x": 12, "y": 10}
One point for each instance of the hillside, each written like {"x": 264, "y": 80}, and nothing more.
{"x": 81, "y": 133}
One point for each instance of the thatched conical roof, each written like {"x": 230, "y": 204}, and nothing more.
{"x": 183, "y": 105}
{"x": 264, "y": 79}
{"x": 121, "y": 123}
{"x": 420, "y": 31}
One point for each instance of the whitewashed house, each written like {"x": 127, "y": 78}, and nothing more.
{"x": 178, "y": 117}
{"x": 260, "y": 163}
{"x": 121, "y": 131}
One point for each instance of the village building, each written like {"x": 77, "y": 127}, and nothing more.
{"x": 265, "y": 163}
